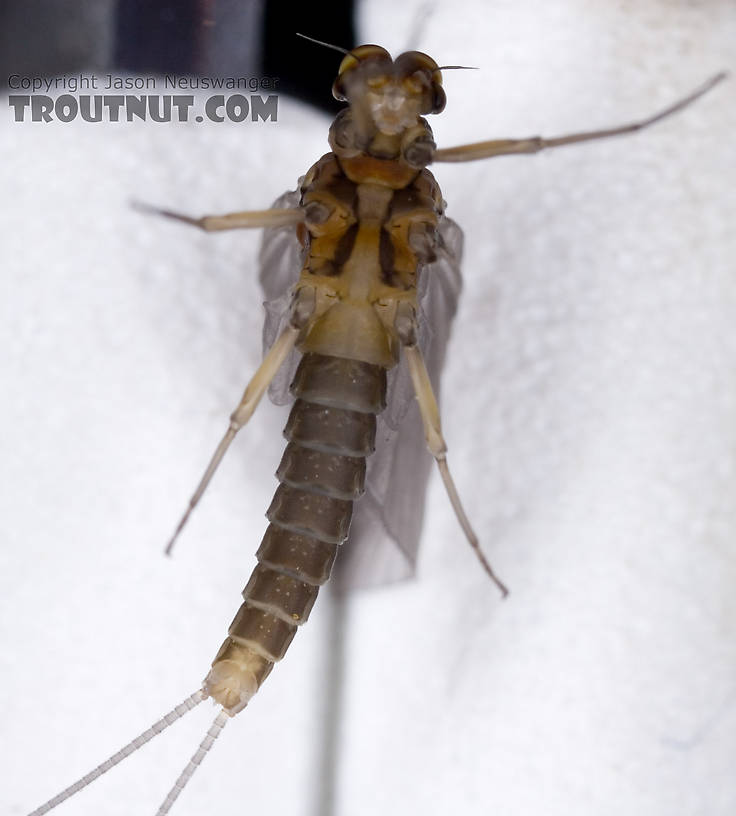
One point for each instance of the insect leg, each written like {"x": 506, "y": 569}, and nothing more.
{"x": 533, "y": 144}
{"x": 430, "y": 414}
{"x": 255, "y": 389}
{"x": 301, "y": 310}
{"x": 247, "y": 219}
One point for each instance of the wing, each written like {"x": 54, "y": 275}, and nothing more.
{"x": 280, "y": 261}
{"x": 387, "y": 521}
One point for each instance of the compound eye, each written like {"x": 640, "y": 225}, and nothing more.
{"x": 440, "y": 99}
{"x": 411, "y": 61}
{"x": 417, "y": 82}
{"x": 420, "y": 71}
{"x": 376, "y": 83}
{"x": 363, "y": 53}
{"x": 358, "y": 59}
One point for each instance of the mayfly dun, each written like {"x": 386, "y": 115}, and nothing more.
{"x": 361, "y": 270}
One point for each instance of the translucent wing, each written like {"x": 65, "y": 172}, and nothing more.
{"x": 280, "y": 261}
{"x": 387, "y": 521}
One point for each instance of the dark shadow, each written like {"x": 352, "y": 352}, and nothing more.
{"x": 332, "y": 704}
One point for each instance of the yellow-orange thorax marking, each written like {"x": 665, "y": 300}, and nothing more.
{"x": 360, "y": 261}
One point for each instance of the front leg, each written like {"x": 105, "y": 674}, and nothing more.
{"x": 533, "y": 144}
{"x": 248, "y": 219}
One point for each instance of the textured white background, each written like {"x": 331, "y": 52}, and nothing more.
{"x": 589, "y": 402}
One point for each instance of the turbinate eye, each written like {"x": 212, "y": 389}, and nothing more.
{"x": 363, "y": 58}
{"x": 415, "y": 67}
{"x": 377, "y": 82}
{"x": 411, "y": 61}
{"x": 416, "y": 83}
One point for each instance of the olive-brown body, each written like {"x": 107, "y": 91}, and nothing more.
{"x": 370, "y": 222}
{"x": 331, "y": 430}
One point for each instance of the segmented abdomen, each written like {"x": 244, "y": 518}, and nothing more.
{"x": 331, "y": 430}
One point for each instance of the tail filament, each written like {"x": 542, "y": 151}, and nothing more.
{"x": 214, "y": 732}
{"x": 159, "y": 726}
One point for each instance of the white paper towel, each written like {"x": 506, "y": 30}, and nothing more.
{"x": 589, "y": 403}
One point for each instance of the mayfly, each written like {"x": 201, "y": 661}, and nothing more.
{"x": 367, "y": 261}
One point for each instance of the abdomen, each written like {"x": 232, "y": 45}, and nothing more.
{"x": 331, "y": 430}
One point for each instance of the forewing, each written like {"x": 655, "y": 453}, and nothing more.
{"x": 280, "y": 261}
{"x": 387, "y": 521}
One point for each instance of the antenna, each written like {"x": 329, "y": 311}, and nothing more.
{"x": 321, "y": 42}
{"x": 421, "y": 17}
